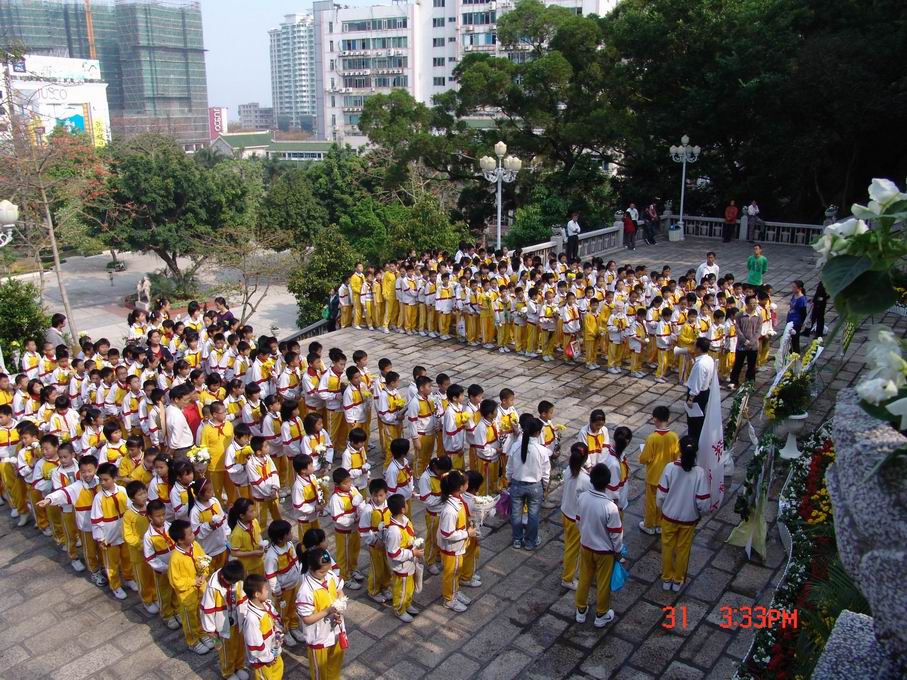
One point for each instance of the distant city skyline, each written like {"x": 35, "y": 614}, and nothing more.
{"x": 238, "y": 57}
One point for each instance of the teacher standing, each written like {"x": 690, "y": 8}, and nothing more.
{"x": 529, "y": 470}
{"x": 699, "y": 386}
{"x": 573, "y": 230}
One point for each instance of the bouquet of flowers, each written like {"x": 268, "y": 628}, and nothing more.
{"x": 202, "y": 564}
{"x": 200, "y": 457}
{"x": 418, "y": 544}
{"x": 485, "y": 508}
{"x": 324, "y": 484}
{"x": 320, "y": 451}
{"x": 790, "y": 395}
{"x": 339, "y": 606}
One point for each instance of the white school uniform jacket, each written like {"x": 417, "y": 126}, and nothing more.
{"x": 600, "y": 528}
{"x": 222, "y": 607}
{"x": 683, "y": 496}
{"x": 258, "y": 374}
{"x": 260, "y": 649}
{"x": 320, "y": 633}
{"x": 307, "y": 498}
{"x": 343, "y": 294}
{"x": 344, "y": 508}
{"x": 427, "y": 489}
{"x": 402, "y": 560}
{"x": 574, "y": 487}
{"x": 251, "y": 416}
{"x": 596, "y": 442}
{"x": 180, "y": 508}
{"x": 454, "y": 437}
{"x": 389, "y": 411}
{"x": 452, "y": 525}
{"x": 357, "y": 404}
{"x": 330, "y": 390}
{"x": 356, "y": 463}
{"x": 107, "y": 512}
{"x": 369, "y": 534}
{"x": 289, "y": 384}
{"x": 483, "y": 439}
{"x": 291, "y": 434}
{"x": 80, "y": 497}
{"x": 420, "y": 417}
{"x": 618, "y": 489}
{"x": 235, "y": 469}
{"x": 263, "y": 478}
{"x": 399, "y": 478}
{"x": 312, "y": 443}
{"x": 66, "y": 427}
{"x": 281, "y": 567}
{"x": 213, "y": 540}
{"x": 150, "y": 421}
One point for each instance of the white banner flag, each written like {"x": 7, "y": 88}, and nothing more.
{"x": 711, "y": 444}
{"x": 2, "y": 364}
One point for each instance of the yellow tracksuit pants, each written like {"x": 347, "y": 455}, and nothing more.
{"x": 590, "y": 348}
{"x": 268, "y": 510}
{"x": 470, "y": 560}
{"x": 347, "y": 544}
{"x": 55, "y": 517}
{"x": 117, "y": 564}
{"x": 346, "y": 316}
{"x": 426, "y": 448}
{"x": 368, "y": 314}
{"x": 451, "y": 567}
{"x": 472, "y": 328}
{"x": 142, "y": 574}
{"x": 532, "y": 338}
{"x": 303, "y": 527}
{"x": 503, "y": 335}
{"x": 571, "y": 549}
{"x": 664, "y": 362}
{"x": 357, "y": 309}
{"x": 71, "y": 533}
{"x": 762, "y": 354}
{"x": 287, "y": 603}
{"x": 379, "y": 576}
{"x": 192, "y": 625}
{"x": 15, "y": 487}
{"x": 652, "y": 513}
{"x": 519, "y": 338}
{"x": 324, "y": 662}
{"x": 41, "y": 519}
{"x": 615, "y": 354}
{"x": 232, "y": 653}
{"x": 410, "y": 317}
{"x": 457, "y": 459}
{"x": 223, "y": 486}
{"x": 727, "y": 363}
{"x": 676, "y": 540}
{"x": 490, "y": 471}
{"x": 166, "y": 598}
{"x": 432, "y": 554}
{"x": 594, "y": 566}
{"x": 390, "y": 433}
{"x": 90, "y": 551}
{"x": 402, "y": 590}
{"x": 337, "y": 429}
{"x": 422, "y": 318}
{"x": 443, "y": 322}
{"x": 390, "y": 313}
{"x": 547, "y": 341}
{"x": 272, "y": 671}
{"x": 636, "y": 360}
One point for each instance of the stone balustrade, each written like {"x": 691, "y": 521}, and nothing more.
{"x": 778, "y": 233}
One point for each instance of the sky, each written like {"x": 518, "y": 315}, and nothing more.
{"x": 236, "y": 37}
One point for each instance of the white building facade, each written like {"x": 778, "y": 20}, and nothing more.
{"x": 361, "y": 51}
{"x": 293, "y": 71}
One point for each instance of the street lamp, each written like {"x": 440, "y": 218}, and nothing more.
{"x": 504, "y": 169}
{"x": 684, "y": 154}
{"x": 9, "y": 215}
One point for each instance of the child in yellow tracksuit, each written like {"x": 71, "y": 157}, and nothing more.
{"x": 135, "y": 526}
{"x": 373, "y": 519}
{"x": 548, "y": 317}
{"x": 367, "y": 301}
{"x": 282, "y": 572}
{"x": 245, "y": 536}
{"x": 683, "y": 495}
{"x": 469, "y": 576}
{"x": 428, "y": 489}
{"x": 221, "y": 605}
{"x": 689, "y": 331}
{"x": 262, "y": 632}
{"x": 591, "y": 334}
{"x": 576, "y": 481}
{"x": 325, "y": 631}
{"x": 453, "y": 534}
{"x": 107, "y": 511}
{"x": 345, "y": 504}
{"x": 637, "y": 340}
{"x": 9, "y": 443}
{"x": 187, "y": 573}
{"x": 487, "y": 299}
{"x": 617, "y": 325}
{"x": 662, "y": 447}
{"x": 307, "y": 495}
{"x": 664, "y": 343}
{"x": 27, "y": 458}
{"x": 388, "y": 293}
{"x": 730, "y": 344}
{"x": 402, "y": 553}
{"x": 157, "y": 547}
{"x": 356, "y": 280}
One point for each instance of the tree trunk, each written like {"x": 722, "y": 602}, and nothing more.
{"x": 49, "y": 223}
{"x": 170, "y": 261}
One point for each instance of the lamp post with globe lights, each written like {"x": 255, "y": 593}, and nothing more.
{"x": 9, "y": 215}
{"x": 684, "y": 154}
{"x": 504, "y": 169}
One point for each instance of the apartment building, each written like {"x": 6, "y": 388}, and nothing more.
{"x": 293, "y": 71}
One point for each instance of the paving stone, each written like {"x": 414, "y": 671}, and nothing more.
{"x": 752, "y": 579}
{"x": 607, "y": 656}
{"x": 557, "y": 662}
{"x": 509, "y": 664}
{"x": 724, "y": 669}
{"x": 88, "y": 664}
{"x": 636, "y": 622}
{"x": 705, "y": 645}
{"x": 707, "y": 583}
{"x": 459, "y": 667}
{"x": 486, "y": 643}
{"x": 680, "y": 671}
{"x": 657, "y": 650}
{"x": 541, "y": 634}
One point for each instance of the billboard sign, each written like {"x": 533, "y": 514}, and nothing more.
{"x": 217, "y": 121}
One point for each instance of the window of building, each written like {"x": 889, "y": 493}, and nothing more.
{"x": 437, "y": 61}
{"x": 452, "y": 39}
{"x": 438, "y": 3}
{"x": 479, "y": 39}
{"x": 451, "y": 20}
{"x": 478, "y": 18}
{"x": 437, "y": 22}
{"x": 437, "y": 42}
{"x": 439, "y": 82}
{"x": 385, "y": 24}
{"x": 330, "y": 27}
{"x": 331, "y": 46}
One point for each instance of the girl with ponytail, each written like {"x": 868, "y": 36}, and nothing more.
{"x": 454, "y": 531}
{"x": 576, "y": 481}
{"x": 209, "y": 522}
{"x": 616, "y": 460}
{"x": 320, "y": 613}
{"x": 683, "y": 495}
{"x": 528, "y": 470}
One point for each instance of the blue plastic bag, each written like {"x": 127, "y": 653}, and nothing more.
{"x": 618, "y": 577}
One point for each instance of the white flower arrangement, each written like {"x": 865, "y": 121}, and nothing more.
{"x": 202, "y": 563}
{"x": 485, "y": 508}
{"x": 419, "y": 543}
{"x": 340, "y": 604}
{"x": 199, "y": 455}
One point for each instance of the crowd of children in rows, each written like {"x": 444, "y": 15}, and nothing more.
{"x": 629, "y": 316}
{"x": 90, "y": 451}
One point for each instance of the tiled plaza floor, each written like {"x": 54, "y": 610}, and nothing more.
{"x": 54, "y": 624}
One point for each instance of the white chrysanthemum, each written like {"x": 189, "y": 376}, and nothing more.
{"x": 877, "y": 390}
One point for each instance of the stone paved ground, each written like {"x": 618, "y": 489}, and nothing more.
{"x": 54, "y": 624}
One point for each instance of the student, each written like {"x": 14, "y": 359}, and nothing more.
{"x": 428, "y": 489}
{"x": 616, "y": 461}
{"x": 245, "y": 536}
{"x": 662, "y": 447}
{"x": 373, "y": 519}
{"x": 317, "y": 443}
{"x": 485, "y": 446}
{"x": 42, "y": 482}
{"x": 79, "y": 496}
{"x": 187, "y": 578}
{"x": 107, "y": 512}
{"x": 159, "y": 488}
{"x": 135, "y": 526}
{"x": 391, "y": 411}
{"x": 330, "y": 389}
{"x": 132, "y": 461}
{"x": 469, "y": 576}
{"x": 216, "y": 435}
{"x": 421, "y": 423}
{"x": 399, "y": 475}
{"x": 683, "y": 495}
{"x": 453, "y": 533}
{"x": 236, "y": 457}
{"x": 264, "y": 481}
{"x": 325, "y": 631}
{"x": 402, "y": 554}
{"x": 209, "y": 522}
{"x": 357, "y": 401}
{"x": 221, "y": 611}
{"x": 664, "y": 344}
{"x": 576, "y": 482}
{"x": 282, "y": 571}
{"x": 157, "y": 547}
{"x": 180, "y": 493}
{"x": 13, "y": 485}
{"x": 307, "y": 495}
{"x": 346, "y": 302}
{"x": 355, "y": 459}
{"x": 617, "y": 326}
{"x": 345, "y": 504}
{"x": 455, "y": 424}
{"x": 601, "y": 540}
{"x": 595, "y": 437}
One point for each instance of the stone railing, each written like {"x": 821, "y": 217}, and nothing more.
{"x": 779, "y": 233}
{"x": 320, "y": 327}
{"x": 591, "y": 243}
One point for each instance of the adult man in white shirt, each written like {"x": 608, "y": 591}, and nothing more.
{"x": 707, "y": 267}
{"x": 699, "y": 386}
{"x": 177, "y": 432}
{"x": 573, "y": 230}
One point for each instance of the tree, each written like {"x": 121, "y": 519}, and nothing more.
{"x": 330, "y": 256}
{"x": 290, "y": 207}
{"x": 22, "y": 317}
{"x": 166, "y": 202}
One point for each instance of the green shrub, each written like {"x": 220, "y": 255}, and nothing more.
{"x": 22, "y": 316}
{"x": 330, "y": 259}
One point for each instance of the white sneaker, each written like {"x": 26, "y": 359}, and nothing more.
{"x": 120, "y": 594}
{"x": 23, "y": 519}
{"x": 358, "y": 575}
{"x": 638, "y": 374}
{"x": 614, "y": 371}
{"x": 604, "y": 620}
{"x": 406, "y": 618}
{"x": 547, "y": 358}
{"x": 434, "y": 569}
{"x": 677, "y": 587}
{"x": 172, "y": 623}
{"x": 152, "y": 608}
{"x": 385, "y": 330}
{"x": 531, "y": 355}
{"x": 99, "y": 579}
{"x": 289, "y": 641}
{"x": 387, "y": 595}
{"x": 242, "y": 674}
{"x": 352, "y": 584}
{"x": 455, "y": 605}
{"x": 378, "y": 597}
{"x": 502, "y": 350}
{"x": 666, "y": 585}
{"x": 358, "y": 328}
{"x": 13, "y": 514}
{"x": 474, "y": 582}
{"x": 200, "y": 648}
{"x": 647, "y": 530}
{"x": 47, "y": 531}
{"x": 445, "y": 337}
{"x": 580, "y": 616}
{"x": 462, "y": 598}
{"x": 132, "y": 585}
{"x": 209, "y": 642}
{"x": 412, "y": 610}
{"x": 77, "y": 566}
{"x": 569, "y": 585}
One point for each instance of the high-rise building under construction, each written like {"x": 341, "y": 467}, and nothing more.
{"x": 151, "y": 52}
